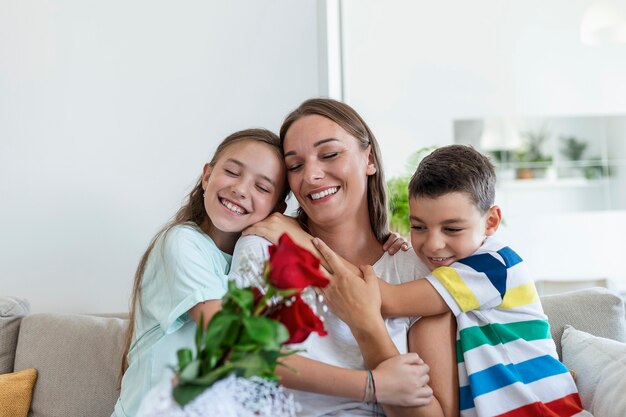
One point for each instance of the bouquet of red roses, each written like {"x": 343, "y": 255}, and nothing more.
{"x": 247, "y": 337}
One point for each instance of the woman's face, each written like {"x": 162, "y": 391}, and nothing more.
{"x": 327, "y": 170}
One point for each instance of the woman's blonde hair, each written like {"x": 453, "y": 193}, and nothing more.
{"x": 350, "y": 121}
{"x": 192, "y": 211}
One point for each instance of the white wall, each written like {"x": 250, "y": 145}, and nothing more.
{"x": 412, "y": 67}
{"x": 108, "y": 110}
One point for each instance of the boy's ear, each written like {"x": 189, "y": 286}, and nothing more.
{"x": 494, "y": 218}
{"x": 371, "y": 164}
{"x": 206, "y": 173}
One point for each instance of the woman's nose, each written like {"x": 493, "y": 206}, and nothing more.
{"x": 313, "y": 173}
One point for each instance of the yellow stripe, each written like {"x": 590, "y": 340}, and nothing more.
{"x": 455, "y": 286}
{"x": 520, "y": 296}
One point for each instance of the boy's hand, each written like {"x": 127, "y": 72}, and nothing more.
{"x": 394, "y": 243}
{"x": 353, "y": 299}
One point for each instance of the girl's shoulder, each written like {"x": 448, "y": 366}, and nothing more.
{"x": 185, "y": 237}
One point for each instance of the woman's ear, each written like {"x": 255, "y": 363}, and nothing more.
{"x": 371, "y": 163}
{"x": 206, "y": 173}
{"x": 494, "y": 218}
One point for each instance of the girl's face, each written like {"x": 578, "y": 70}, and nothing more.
{"x": 244, "y": 185}
{"x": 326, "y": 169}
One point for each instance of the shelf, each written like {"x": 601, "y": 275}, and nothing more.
{"x": 552, "y": 183}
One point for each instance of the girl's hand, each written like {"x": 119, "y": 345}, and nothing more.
{"x": 395, "y": 242}
{"x": 275, "y": 225}
{"x": 403, "y": 380}
{"x": 353, "y": 299}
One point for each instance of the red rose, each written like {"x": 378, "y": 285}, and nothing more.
{"x": 299, "y": 320}
{"x": 293, "y": 267}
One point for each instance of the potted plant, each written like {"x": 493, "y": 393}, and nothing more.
{"x": 573, "y": 149}
{"x": 532, "y": 162}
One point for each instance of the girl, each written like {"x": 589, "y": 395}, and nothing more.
{"x": 182, "y": 274}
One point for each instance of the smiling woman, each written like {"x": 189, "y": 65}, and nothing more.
{"x": 334, "y": 170}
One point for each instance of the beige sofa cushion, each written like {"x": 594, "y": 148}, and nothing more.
{"x": 12, "y": 310}
{"x": 78, "y": 359}
{"x": 594, "y": 310}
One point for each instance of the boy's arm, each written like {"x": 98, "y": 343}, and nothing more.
{"x": 414, "y": 298}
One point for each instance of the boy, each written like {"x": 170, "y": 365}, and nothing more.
{"x": 507, "y": 360}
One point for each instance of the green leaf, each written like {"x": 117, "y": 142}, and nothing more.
{"x": 190, "y": 371}
{"x": 184, "y": 394}
{"x": 241, "y": 297}
{"x": 252, "y": 364}
{"x": 282, "y": 334}
{"x": 260, "y": 329}
{"x": 184, "y": 357}
{"x": 218, "y": 329}
{"x": 199, "y": 333}
{"x": 214, "y": 375}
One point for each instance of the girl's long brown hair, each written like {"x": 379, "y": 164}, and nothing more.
{"x": 192, "y": 211}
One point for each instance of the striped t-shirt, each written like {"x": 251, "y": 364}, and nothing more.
{"x": 507, "y": 360}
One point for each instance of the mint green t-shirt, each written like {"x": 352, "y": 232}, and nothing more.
{"x": 184, "y": 268}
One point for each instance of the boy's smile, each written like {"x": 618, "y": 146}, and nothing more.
{"x": 449, "y": 227}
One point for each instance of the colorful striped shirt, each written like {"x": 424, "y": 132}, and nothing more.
{"x": 507, "y": 360}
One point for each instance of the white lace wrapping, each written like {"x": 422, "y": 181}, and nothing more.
{"x": 230, "y": 397}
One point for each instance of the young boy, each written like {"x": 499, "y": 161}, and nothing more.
{"x": 507, "y": 360}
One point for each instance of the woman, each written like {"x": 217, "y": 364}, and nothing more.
{"x": 334, "y": 170}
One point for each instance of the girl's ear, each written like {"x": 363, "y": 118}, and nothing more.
{"x": 371, "y": 164}
{"x": 206, "y": 173}
{"x": 494, "y": 218}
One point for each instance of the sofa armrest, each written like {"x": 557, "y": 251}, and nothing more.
{"x": 593, "y": 310}
{"x": 12, "y": 310}
{"x": 78, "y": 359}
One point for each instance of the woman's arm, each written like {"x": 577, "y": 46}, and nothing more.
{"x": 358, "y": 304}
{"x": 398, "y": 379}
{"x": 435, "y": 340}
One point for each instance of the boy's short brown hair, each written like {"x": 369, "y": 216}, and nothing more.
{"x": 456, "y": 168}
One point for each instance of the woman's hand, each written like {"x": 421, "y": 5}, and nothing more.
{"x": 275, "y": 225}
{"x": 403, "y": 380}
{"x": 395, "y": 242}
{"x": 353, "y": 299}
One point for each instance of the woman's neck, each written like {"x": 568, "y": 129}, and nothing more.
{"x": 355, "y": 242}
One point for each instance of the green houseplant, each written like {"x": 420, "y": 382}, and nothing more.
{"x": 398, "y": 192}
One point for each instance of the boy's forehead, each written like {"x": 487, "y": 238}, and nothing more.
{"x": 454, "y": 204}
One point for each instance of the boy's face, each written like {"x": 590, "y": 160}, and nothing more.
{"x": 448, "y": 228}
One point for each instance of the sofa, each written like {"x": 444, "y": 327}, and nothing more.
{"x": 78, "y": 356}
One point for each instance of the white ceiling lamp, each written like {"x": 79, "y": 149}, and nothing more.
{"x": 604, "y": 22}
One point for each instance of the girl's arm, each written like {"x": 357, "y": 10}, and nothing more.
{"x": 205, "y": 309}
{"x": 276, "y": 224}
